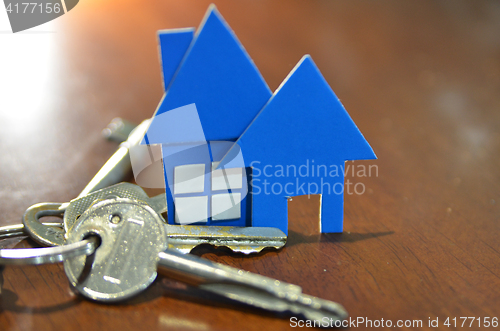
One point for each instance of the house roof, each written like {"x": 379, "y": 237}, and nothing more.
{"x": 303, "y": 120}
{"x": 217, "y": 75}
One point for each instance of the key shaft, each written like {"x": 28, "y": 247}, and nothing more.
{"x": 113, "y": 171}
{"x": 246, "y": 287}
{"x": 118, "y": 165}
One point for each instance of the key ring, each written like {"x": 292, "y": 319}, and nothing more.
{"x": 35, "y": 256}
{"x": 17, "y": 230}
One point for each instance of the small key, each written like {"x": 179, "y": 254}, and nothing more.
{"x": 132, "y": 251}
{"x": 111, "y": 172}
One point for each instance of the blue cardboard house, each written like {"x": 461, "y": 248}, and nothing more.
{"x": 233, "y": 152}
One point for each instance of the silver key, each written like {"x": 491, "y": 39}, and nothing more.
{"x": 181, "y": 237}
{"x": 130, "y": 234}
{"x": 132, "y": 251}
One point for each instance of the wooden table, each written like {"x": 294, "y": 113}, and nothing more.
{"x": 421, "y": 81}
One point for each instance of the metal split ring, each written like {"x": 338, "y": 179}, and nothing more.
{"x": 35, "y": 256}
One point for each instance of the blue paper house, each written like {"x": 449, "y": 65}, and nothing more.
{"x": 233, "y": 152}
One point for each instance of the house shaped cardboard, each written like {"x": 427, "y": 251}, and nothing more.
{"x": 298, "y": 145}
{"x": 233, "y": 152}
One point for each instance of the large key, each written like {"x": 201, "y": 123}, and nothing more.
{"x": 181, "y": 237}
{"x": 134, "y": 248}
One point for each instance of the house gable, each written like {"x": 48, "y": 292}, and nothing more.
{"x": 219, "y": 77}
{"x": 303, "y": 120}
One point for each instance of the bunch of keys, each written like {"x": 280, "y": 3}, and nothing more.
{"x": 113, "y": 243}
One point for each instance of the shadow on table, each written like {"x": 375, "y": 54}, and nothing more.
{"x": 8, "y": 302}
{"x": 295, "y": 238}
{"x": 180, "y": 291}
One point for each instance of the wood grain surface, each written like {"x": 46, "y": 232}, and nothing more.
{"x": 420, "y": 79}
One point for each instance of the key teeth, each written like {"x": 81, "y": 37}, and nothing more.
{"x": 251, "y": 249}
{"x": 185, "y": 249}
